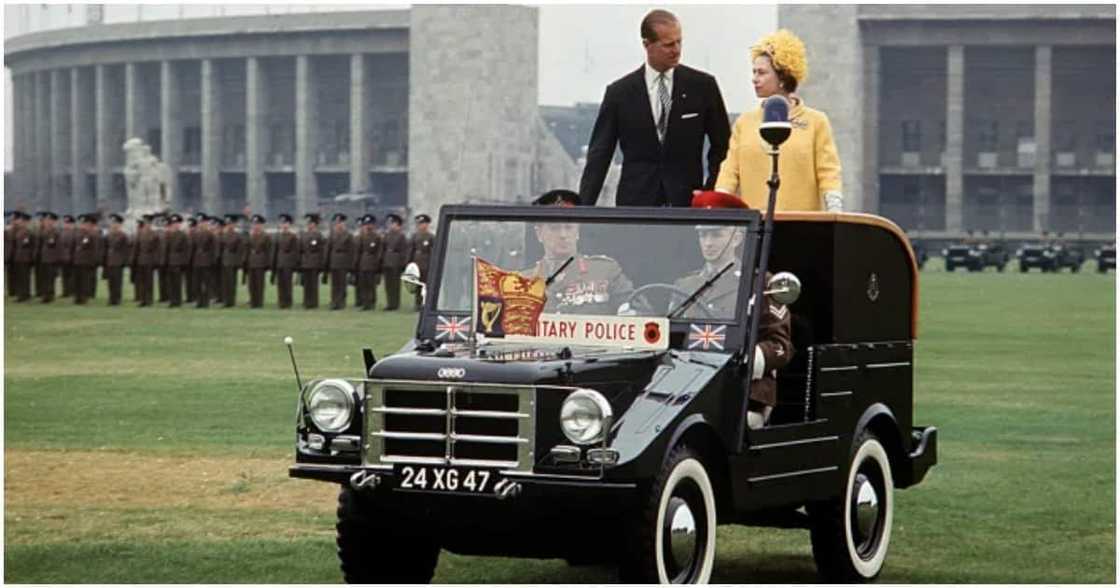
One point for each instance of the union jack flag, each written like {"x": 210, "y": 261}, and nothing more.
{"x": 452, "y": 328}
{"x": 706, "y": 336}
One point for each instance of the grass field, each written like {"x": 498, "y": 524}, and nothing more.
{"x": 151, "y": 445}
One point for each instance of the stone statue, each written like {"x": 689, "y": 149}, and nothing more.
{"x": 147, "y": 181}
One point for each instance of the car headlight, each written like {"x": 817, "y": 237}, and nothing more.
{"x": 330, "y": 404}
{"x": 585, "y": 416}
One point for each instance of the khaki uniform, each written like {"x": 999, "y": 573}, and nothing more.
{"x": 178, "y": 251}
{"x": 421, "y": 246}
{"x": 235, "y": 251}
{"x": 591, "y": 284}
{"x": 24, "y": 248}
{"x": 146, "y": 256}
{"x": 204, "y": 259}
{"x": 340, "y": 262}
{"x": 312, "y": 253}
{"x": 259, "y": 260}
{"x": 66, "y": 263}
{"x": 50, "y": 258}
{"x": 774, "y": 340}
{"x": 118, "y": 252}
{"x": 393, "y": 260}
{"x": 189, "y": 275}
{"x": 367, "y": 264}
{"x": 87, "y": 256}
{"x": 285, "y": 262}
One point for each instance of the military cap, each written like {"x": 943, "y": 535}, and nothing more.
{"x": 368, "y": 219}
{"x": 423, "y": 218}
{"x": 202, "y": 216}
{"x": 48, "y": 214}
{"x": 558, "y": 197}
{"x": 312, "y": 217}
{"x": 338, "y": 217}
{"x": 284, "y": 217}
{"x": 233, "y": 218}
{"x": 116, "y": 218}
{"x": 87, "y": 218}
{"x": 143, "y": 220}
{"x": 217, "y": 220}
{"x": 21, "y": 215}
{"x": 191, "y": 221}
{"x": 258, "y": 219}
{"x": 67, "y": 218}
{"x": 394, "y": 218}
{"x": 177, "y": 218}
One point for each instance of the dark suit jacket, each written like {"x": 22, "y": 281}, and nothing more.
{"x": 654, "y": 173}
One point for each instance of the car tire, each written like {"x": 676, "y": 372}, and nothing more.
{"x": 949, "y": 267}
{"x": 1001, "y": 267}
{"x": 848, "y": 546}
{"x": 1075, "y": 268}
{"x": 1023, "y": 269}
{"x": 375, "y": 547}
{"x": 673, "y": 534}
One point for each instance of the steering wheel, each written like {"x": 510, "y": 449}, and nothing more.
{"x": 640, "y": 293}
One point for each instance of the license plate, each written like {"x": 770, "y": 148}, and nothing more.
{"x": 456, "y": 480}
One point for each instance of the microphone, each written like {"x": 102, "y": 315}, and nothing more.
{"x": 775, "y": 127}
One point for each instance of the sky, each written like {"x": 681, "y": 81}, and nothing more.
{"x": 583, "y": 47}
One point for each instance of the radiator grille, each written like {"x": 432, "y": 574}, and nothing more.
{"x": 463, "y": 424}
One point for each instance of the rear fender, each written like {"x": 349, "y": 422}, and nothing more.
{"x": 879, "y": 419}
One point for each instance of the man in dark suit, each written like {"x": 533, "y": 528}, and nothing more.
{"x": 659, "y": 115}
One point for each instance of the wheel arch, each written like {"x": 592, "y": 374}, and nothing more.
{"x": 696, "y": 432}
{"x": 880, "y": 420}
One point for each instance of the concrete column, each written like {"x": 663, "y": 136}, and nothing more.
{"x": 868, "y": 201}
{"x": 58, "y": 148}
{"x": 256, "y": 190}
{"x": 954, "y": 141}
{"x": 211, "y": 138}
{"x": 359, "y": 124}
{"x": 43, "y": 145}
{"x": 81, "y": 135}
{"x": 307, "y": 192}
{"x": 20, "y": 136}
{"x": 131, "y": 101}
{"x": 34, "y": 138}
{"x": 104, "y": 137}
{"x": 169, "y": 126}
{"x": 1043, "y": 56}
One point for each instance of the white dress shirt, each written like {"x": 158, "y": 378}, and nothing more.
{"x": 651, "y": 89}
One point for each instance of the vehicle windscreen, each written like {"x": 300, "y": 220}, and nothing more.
{"x": 614, "y": 267}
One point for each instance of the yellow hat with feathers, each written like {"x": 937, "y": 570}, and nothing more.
{"x": 786, "y": 52}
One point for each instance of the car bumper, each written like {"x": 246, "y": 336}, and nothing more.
{"x": 922, "y": 457}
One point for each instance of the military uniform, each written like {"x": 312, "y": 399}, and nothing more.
{"x": 118, "y": 252}
{"x": 367, "y": 264}
{"x": 204, "y": 255}
{"x": 23, "y": 247}
{"x": 394, "y": 258}
{"x": 190, "y": 278}
{"x": 50, "y": 257}
{"x": 312, "y": 248}
{"x": 285, "y": 262}
{"x": 340, "y": 262}
{"x": 234, "y": 254}
{"x": 257, "y": 263}
{"x": 147, "y": 255}
{"x": 178, "y": 252}
{"x": 87, "y": 255}
{"x": 8, "y": 230}
{"x": 421, "y": 247}
{"x": 591, "y": 284}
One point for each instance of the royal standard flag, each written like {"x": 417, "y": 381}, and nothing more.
{"x": 506, "y": 302}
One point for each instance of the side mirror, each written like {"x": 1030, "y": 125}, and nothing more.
{"x": 784, "y": 287}
{"x": 411, "y": 278}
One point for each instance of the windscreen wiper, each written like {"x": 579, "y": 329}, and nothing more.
{"x": 700, "y": 290}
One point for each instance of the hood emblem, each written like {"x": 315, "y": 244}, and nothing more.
{"x": 873, "y": 287}
{"x": 449, "y": 373}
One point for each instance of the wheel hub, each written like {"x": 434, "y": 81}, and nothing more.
{"x": 680, "y": 533}
{"x": 866, "y": 508}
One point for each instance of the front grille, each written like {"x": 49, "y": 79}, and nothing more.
{"x": 475, "y": 425}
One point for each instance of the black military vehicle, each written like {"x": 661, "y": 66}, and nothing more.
{"x": 624, "y": 439}
{"x": 1050, "y": 257}
{"x": 976, "y": 256}
{"x": 1106, "y": 258}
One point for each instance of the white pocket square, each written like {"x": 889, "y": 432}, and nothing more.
{"x": 690, "y": 115}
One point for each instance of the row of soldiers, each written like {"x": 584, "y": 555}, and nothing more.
{"x": 205, "y": 258}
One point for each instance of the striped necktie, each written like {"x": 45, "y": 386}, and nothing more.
{"x": 663, "y": 98}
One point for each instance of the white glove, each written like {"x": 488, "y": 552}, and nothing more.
{"x": 833, "y": 202}
{"x": 625, "y": 309}
{"x": 759, "y": 367}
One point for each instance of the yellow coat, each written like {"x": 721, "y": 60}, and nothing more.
{"x": 808, "y": 165}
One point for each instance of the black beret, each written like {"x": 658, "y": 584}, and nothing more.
{"x": 558, "y": 197}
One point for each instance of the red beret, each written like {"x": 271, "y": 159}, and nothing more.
{"x": 713, "y": 199}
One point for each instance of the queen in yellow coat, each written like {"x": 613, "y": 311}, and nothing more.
{"x": 809, "y": 166}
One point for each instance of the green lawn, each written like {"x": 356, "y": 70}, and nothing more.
{"x": 150, "y": 445}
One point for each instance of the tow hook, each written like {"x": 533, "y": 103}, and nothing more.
{"x": 506, "y": 489}
{"x": 364, "y": 480}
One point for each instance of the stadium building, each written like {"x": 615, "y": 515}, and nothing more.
{"x": 282, "y": 112}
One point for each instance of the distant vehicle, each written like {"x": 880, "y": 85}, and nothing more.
{"x": 1106, "y": 258}
{"x": 975, "y": 257}
{"x": 920, "y": 254}
{"x": 1049, "y": 258}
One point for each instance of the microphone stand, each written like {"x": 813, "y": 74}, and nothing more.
{"x": 758, "y": 305}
